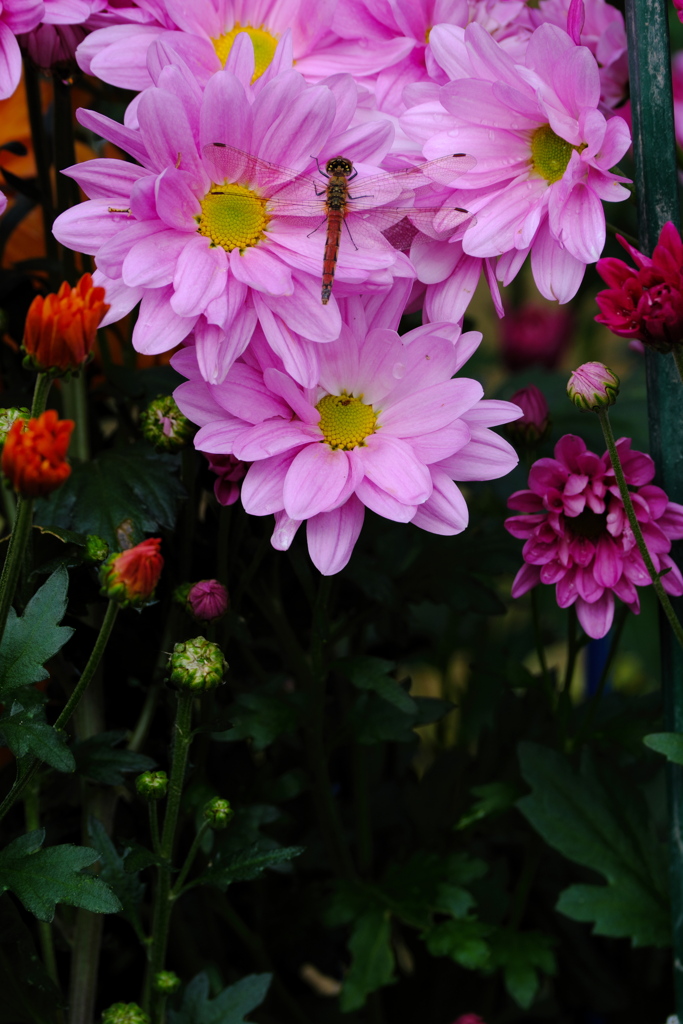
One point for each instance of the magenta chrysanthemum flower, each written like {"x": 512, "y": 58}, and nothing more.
{"x": 645, "y": 302}
{"x": 577, "y": 534}
{"x": 385, "y": 427}
{"x": 205, "y": 236}
{"x": 202, "y": 35}
{"x": 52, "y": 45}
{"x": 16, "y": 16}
{"x": 543, "y": 151}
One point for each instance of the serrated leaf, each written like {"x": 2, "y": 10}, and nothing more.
{"x": 29, "y": 996}
{"x": 98, "y": 759}
{"x": 668, "y": 743}
{"x": 368, "y": 673}
{"x": 26, "y": 731}
{"x": 230, "y": 1007}
{"x": 372, "y": 964}
{"x": 43, "y": 878}
{"x": 127, "y": 886}
{"x": 132, "y": 485}
{"x": 138, "y": 858}
{"x": 262, "y": 717}
{"x": 35, "y": 637}
{"x": 462, "y": 940}
{"x": 246, "y": 865}
{"x": 521, "y": 955}
{"x": 601, "y": 823}
{"x": 374, "y": 720}
{"x": 494, "y": 797}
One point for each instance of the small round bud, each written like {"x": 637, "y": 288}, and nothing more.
{"x": 125, "y": 1013}
{"x": 164, "y": 426}
{"x": 166, "y": 982}
{"x": 207, "y": 601}
{"x": 152, "y": 785}
{"x": 534, "y": 423}
{"x": 218, "y": 813}
{"x": 593, "y": 386}
{"x": 131, "y": 576}
{"x": 96, "y": 549}
{"x": 197, "y": 665}
{"x": 7, "y": 418}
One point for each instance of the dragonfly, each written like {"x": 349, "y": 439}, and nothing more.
{"x": 366, "y": 206}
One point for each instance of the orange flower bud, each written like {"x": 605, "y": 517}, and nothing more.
{"x": 131, "y": 576}
{"x": 34, "y": 455}
{"x": 60, "y": 329}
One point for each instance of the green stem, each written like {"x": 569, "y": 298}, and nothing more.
{"x": 667, "y": 607}
{"x": 592, "y": 710}
{"x": 76, "y": 408}
{"x": 88, "y": 672}
{"x": 572, "y": 649}
{"x": 32, "y": 817}
{"x": 189, "y": 860}
{"x": 678, "y": 359}
{"x": 163, "y": 895}
{"x": 41, "y": 390}
{"x": 614, "y": 231}
{"x": 153, "y": 808}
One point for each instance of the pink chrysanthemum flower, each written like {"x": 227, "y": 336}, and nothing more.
{"x": 577, "y": 534}
{"x": 52, "y": 45}
{"x": 202, "y": 35}
{"x": 385, "y": 427}
{"x": 16, "y": 16}
{"x": 542, "y": 147}
{"x": 209, "y": 256}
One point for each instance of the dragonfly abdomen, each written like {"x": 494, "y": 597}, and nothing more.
{"x": 336, "y": 200}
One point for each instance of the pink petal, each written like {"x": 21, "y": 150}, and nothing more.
{"x": 273, "y": 436}
{"x": 445, "y": 510}
{"x": 315, "y": 480}
{"x": 596, "y": 618}
{"x": 262, "y": 487}
{"x": 384, "y": 504}
{"x": 332, "y": 535}
{"x": 391, "y": 464}
{"x": 158, "y": 328}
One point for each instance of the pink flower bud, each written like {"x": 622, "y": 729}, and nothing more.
{"x": 229, "y": 472}
{"x": 535, "y": 421}
{"x": 469, "y": 1018}
{"x": 535, "y": 335}
{"x": 593, "y": 386}
{"x": 207, "y": 600}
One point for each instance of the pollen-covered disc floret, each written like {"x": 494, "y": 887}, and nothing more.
{"x": 577, "y": 535}
{"x": 550, "y": 154}
{"x": 232, "y": 216}
{"x": 345, "y": 421}
{"x": 384, "y": 427}
{"x": 265, "y": 45}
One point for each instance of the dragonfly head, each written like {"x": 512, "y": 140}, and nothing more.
{"x": 339, "y": 165}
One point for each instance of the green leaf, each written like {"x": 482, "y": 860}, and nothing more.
{"x": 43, "y": 878}
{"x": 462, "y": 940}
{"x": 246, "y": 865}
{"x": 132, "y": 490}
{"x": 374, "y": 720}
{"x": 127, "y": 886}
{"x": 138, "y": 858}
{"x": 373, "y": 674}
{"x": 262, "y": 717}
{"x": 668, "y": 743}
{"x": 25, "y": 731}
{"x": 372, "y": 965}
{"x": 29, "y": 996}
{"x": 493, "y": 798}
{"x": 98, "y": 760}
{"x": 230, "y": 1007}
{"x": 600, "y": 822}
{"x": 431, "y": 709}
{"x": 32, "y": 639}
{"x": 521, "y": 955}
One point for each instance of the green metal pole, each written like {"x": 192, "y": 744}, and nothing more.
{"x": 657, "y": 191}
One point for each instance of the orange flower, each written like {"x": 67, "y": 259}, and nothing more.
{"x": 60, "y": 329}
{"x": 34, "y": 455}
{"x": 131, "y": 576}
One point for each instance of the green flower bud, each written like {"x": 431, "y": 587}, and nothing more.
{"x": 152, "y": 785}
{"x": 7, "y": 418}
{"x": 96, "y": 549}
{"x": 218, "y": 813}
{"x": 593, "y": 386}
{"x": 197, "y": 665}
{"x": 125, "y": 1013}
{"x": 166, "y": 982}
{"x": 164, "y": 426}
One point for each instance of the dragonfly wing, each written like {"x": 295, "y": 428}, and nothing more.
{"x": 229, "y": 164}
{"x": 399, "y": 225}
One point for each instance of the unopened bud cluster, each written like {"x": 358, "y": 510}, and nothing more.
{"x": 125, "y": 1013}
{"x": 8, "y": 417}
{"x": 152, "y": 785}
{"x": 218, "y": 813}
{"x": 131, "y": 576}
{"x": 197, "y": 665}
{"x": 593, "y": 386}
{"x": 166, "y": 982}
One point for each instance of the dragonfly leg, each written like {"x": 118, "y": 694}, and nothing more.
{"x": 317, "y": 228}
{"x": 350, "y": 235}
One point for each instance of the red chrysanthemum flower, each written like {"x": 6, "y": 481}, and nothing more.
{"x": 578, "y": 536}
{"x": 645, "y": 302}
{"x": 131, "y": 576}
{"x": 60, "y": 328}
{"x": 34, "y": 454}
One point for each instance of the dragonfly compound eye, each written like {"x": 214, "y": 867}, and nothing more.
{"x": 339, "y": 165}
{"x": 233, "y": 217}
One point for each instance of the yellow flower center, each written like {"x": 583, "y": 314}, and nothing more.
{"x": 345, "y": 421}
{"x": 550, "y": 154}
{"x": 233, "y": 216}
{"x": 264, "y": 46}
